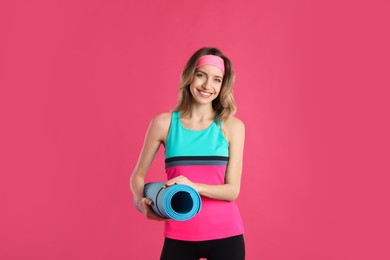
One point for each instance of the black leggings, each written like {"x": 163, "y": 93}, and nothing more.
{"x": 231, "y": 248}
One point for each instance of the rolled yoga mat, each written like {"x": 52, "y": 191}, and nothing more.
{"x": 179, "y": 202}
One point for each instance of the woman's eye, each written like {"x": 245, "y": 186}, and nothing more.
{"x": 218, "y": 80}
{"x": 199, "y": 75}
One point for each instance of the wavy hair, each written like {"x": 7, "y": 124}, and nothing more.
{"x": 224, "y": 104}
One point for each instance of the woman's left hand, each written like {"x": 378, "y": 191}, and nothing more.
{"x": 181, "y": 180}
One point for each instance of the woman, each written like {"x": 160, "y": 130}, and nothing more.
{"x": 204, "y": 145}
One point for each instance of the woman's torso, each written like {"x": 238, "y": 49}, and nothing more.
{"x": 201, "y": 156}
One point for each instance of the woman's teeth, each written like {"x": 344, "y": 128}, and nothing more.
{"x": 205, "y": 93}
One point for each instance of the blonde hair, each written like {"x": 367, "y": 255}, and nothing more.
{"x": 224, "y": 104}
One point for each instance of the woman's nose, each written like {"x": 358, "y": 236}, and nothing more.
{"x": 205, "y": 84}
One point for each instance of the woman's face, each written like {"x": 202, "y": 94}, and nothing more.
{"x": 206, "y": 84}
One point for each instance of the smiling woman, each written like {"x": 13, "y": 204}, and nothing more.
{"x": 204, "y": 145}
{"x": 224, "y": 103}
{"x": 206, "y": 83}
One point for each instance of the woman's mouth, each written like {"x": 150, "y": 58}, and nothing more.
{"x": 204, "y": 94}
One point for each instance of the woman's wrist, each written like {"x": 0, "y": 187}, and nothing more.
{"x": 199, "y": 188}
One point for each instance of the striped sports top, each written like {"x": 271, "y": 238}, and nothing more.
{"x": 201, "y": 156}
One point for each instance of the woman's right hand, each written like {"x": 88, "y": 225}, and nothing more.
{"x": 144, "y": 206}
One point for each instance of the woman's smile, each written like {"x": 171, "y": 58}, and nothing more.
{"x": 204, "y": 94}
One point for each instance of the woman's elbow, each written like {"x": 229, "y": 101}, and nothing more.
{"x": 234, "y": 194}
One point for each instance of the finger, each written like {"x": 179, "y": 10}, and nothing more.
{"x": 148, "y": 201}
{"x": 167, "y": 184}
{"x": 153, "y": 216}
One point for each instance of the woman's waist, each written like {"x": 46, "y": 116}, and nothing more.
{"x": 205, "y": 174}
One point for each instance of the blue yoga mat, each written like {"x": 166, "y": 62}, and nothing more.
{"x": 179, "y": 202}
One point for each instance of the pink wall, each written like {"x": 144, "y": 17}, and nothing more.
{"x": 80, "y": 81}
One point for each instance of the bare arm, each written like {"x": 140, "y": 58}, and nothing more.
{"x": 155, "y": 136}
{"x": 235, "y": 132}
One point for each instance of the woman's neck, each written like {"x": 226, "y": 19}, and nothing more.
{"x": 201, "y": 113}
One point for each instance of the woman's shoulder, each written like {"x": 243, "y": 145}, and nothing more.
{"x": 233, "y": 126}
{"x": 159, "y": 126}
{"x": 163, "y": 116}
{"x": 162, "y": 120}
{"x": 233, "y": 123}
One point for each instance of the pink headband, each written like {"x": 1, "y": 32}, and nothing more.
{"x": 213, "y": 60}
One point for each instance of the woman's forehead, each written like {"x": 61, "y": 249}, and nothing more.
{"x": 211, "y": 70}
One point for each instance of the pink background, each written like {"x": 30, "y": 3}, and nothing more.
{"x": 81, "y": 80}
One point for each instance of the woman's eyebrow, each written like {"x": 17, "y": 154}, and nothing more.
{"x": 215, "y": 76}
